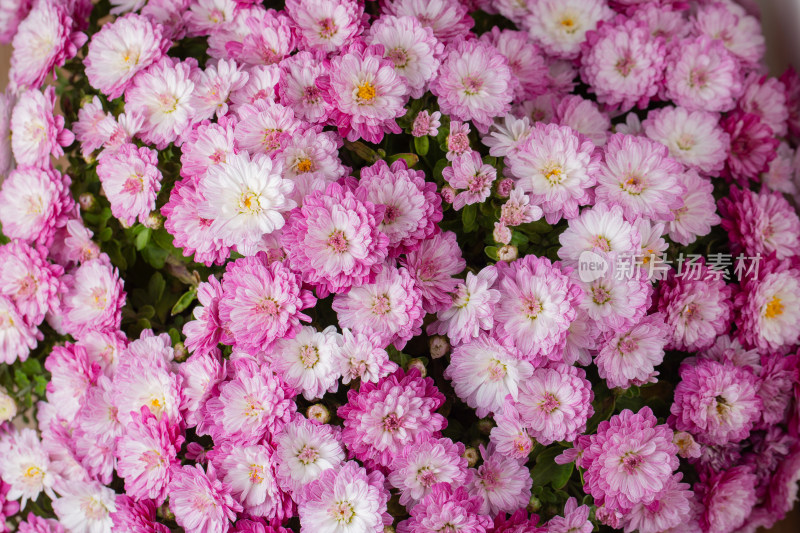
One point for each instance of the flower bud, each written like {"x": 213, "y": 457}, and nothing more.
{"x": 471, "y": 455}
{"x": 504, "y": 187}
{"x": 318, "y": 413}
{"x": 419, "y": 365}
{"x": 507, "y": 253}
{"x": 8, "y": 407}
{"x": 439, "y": 346}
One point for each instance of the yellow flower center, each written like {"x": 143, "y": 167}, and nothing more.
{"x": 304, "y": 165}
{"x": 774, "y": 308}
{"x": 366, "y": 91}
{"x": 33, "y": 472}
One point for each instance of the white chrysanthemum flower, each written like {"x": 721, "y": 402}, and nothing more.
{"x": 25, "y": 465}
{"x": 85, "y": 507}
{"x": 308, "y": 361}
{"x": 305, "y": 450}
{"x": 560, "y": 26}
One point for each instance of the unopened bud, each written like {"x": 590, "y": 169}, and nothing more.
{"x": 507, "y": 253}
{"x": 534, "y": 504}
{"x": 448, "y": 194}
{"x": 8, "y": 407}
{"x": 87, "y": 201}
{"x": 318, "y": 413}
{"x": 504, "y": 187}
{"x": 439, "y": 346}
{"x": 154, "y": 221}
{"x": 419, "y": 365}
{"x": 471, "y": 455}
{"x": 181, "y": 353}
{"x": 485, "y": 426}
{"x": 501, "y": 233}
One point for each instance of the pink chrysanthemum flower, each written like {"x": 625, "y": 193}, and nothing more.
{"x": 425, "y": 463}
{"x": 730, "y": 24}
{"x": 190, "y": 231}
{"x": 412, "y": 48}
{"x": 693, "y": 137}
{"x": 457, "y": 140}
{"x": 262, "y": 302}
{"x": 768, "y": 307}
{"x": 560, "y": 26}
{"x": 537, "y": 303}
{"x": 245, "y": 198}
{"x": 471, "y": 177}
{"x": 472, "y": 308}
{"x": 510, "y": 437}
{"x": 697, "y": 307}
{"x": 311, "y": 161}
{"x": 262, "y": 86}
{"x": 12, "y": 12}
{"x": 146, "y": 453}
{"x": 334, "y": 241}
{"x": 449, "y": 19}
{"x": 307, "y": 362}
{"x": 201, "y": 372}
{"x": 447, "y": 507}
{"x": 484, "y": 373}
{"x": 615, "y": 301}
{"x": 89, "y": 128}
{"x": 122, "y": 130}
{"x": 326, "y": 25}
{"x": 26, "y": 466}
{"x": 753, "y": 146}
{"x": 717, "y": 403}
{"x": 17, "y": 336}
{"x": 133, "y": 516}
{"x": 266, "y": 37}
{"x": 601, "y": 229}
{"x": 37, "y": 524}
{"x": 637, "y": 174}
{"x": 213, "y": 87}
{"x": 698, "y": 214}
{"x": 94, "y": 298}
{"x": 29, "y": 280}
{"x": 702, "y": 75}
{"x": 142, "y": 383}
{"x": 72, "y": 373}
{"x": 583, "y": 116}
{"x": 622, "y": 63}
{"x": 508, "y": 136}
{"x": 780, "y": 176}
{"x": 525, "y": 60}
{"x": 85, "y": 505}
{"x": 200, "y": 501}
{"x": 380, "y": 419}
{"x": 474, "y": 83}
{"x": 504, "y": 484}
{"x": 433, "y": 266}
{"x": 791, "y": 83}
{"x": 170, "y": 14}
{"x": 727, "y": 497}
{"x": 766, "y": 97}
{"x": 389, "y": 308}
{"x": 120, "y": 50}
{"x": 345, "y": 500}
{"x": 253, "y": 404}
{"x": 162, "y": 94}
{"x": 37, "y": 132}
{"x": 206, "y": 17}
{"x": 366, "y": 93}
{"x": 557, "y": 168}
{"x": 778, "y": 375}
{"x": 760, "y": 223}
{"x": 629, "y": 460}
{"x": 555, "y": 403}
{"x": 298, "y": 89}
{"x": 304, "y": 451}
{"x": 426, "y": 124}
{"x": 45, "y": 39}
{"x": 670, "y": 509}
{"x": 208, "y": 145}
{"x": 629, "y": 356}
{"x": 518, "y": 210}
{"x": 264, "y": 127}
{"x": 413, "y": 208}
{"x": 131, "y": 181}
{"x": 360, "y": 357}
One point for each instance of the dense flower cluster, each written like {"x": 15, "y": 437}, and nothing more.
{"x": 424, "y": 266}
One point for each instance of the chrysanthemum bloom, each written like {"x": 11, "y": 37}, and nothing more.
{"x": 447, "y": 507}
{"x": 94, "y": 298}
{"x": 433, "y": 266}
{"x": 426, "y": 124}
{"x": 504, "y": 484}
{"x": 245, "y": 199}
{"x": 366, "y": 93}
{"x": 780, "y": 174}
{"x": 37, "y": 132}
{"x": 768, "y": 307}
{"x": 208, "y": 145}
{"x": 776, "y": 386}
{"x": 472, "y": 308}
{"x": 696, "y": 306}
{"x": 380, "y": 419}
{"x": 162, "y": 94}
{"x": 698, "y": 214}
{"x": 85, "y": 506}
{"x": 298, "y": 89}
{"x": 510, "y": 437}
{"x": 45, "y": 39}
{"x": 766, "y": 97}
{"x": 190, "y": 231}
{"x": 734, "y": 27}
{"x": 72, "y": 373}
{"x": 622, "y": 63}
{"x": 201, "y": 372}
{"x": 25, "y": 465}
{"x": 264, "y": 127}
{"x": 425, "y": 463}
{"x": 727, "y": 498}
{"x": 345, "y": 500}
{"x": 262, "y": 302}
{"x": 334, "y": 241}
{"x": 753, "y": 146}
{"x": 360, "y": 356}
{"x": 413, "y": 208}
{"x": 518, "y": 210}
{"x": 326, "y": 25}
{"x": 702, "y": 75}
{"x": 615, "y": 301}
{"x": 471, "y": 177}
{"x": 29, "y": 280}
{"x": 134, "y": 516}
{"x": 142, "y": 383}
{"x": 146, "y": 452}
{"x": 508, "y": 136}
{"x": 474, "y": 83}
{"x": 760, "y": 223}
{"x": 629, "y": 460}
{"x": 484, "y": 372}
{"x": 457, "y": 140}
{"x": 266, "y": 39}
{"x": 557, "y": 168}
{"x": 601, "y": 229}
{"x": 537, "y": 303}
{"x": 205, "y": 17}
{"x": 629, "y": 356}
{"x": 311, "y": 161}
{"x": 304, "y": 450}
{"x": 389, "y": 308}
{"x": 307, "y": 362}
{"x": 213, "y": 87}
{"x": 120, "y": 50}
{"x": 200, "y": 501}
{"x": 671, "y": 508}
{"x": 412, "y": 48}
{"x": 449, "y": 19}
{"x": 11, "y": 14}
{"x": 560, "y": 26}
{"x": 170, "y": 14}
{"x": 525, "y": 60}
{"x": 89, "y": 129}
{"x": 37, "y": 524}
{"x": 791, "y": 83}
{"x": 715, "y": 402}
{"x": 122, "y": 130}
{"x": 131, "y": 181}
{"x": 585, "y": 117}
{"x": 555, "y": 403}
{"x": 249, "y": 472}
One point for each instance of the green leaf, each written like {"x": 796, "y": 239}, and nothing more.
{"x": 155, "y": 289}
{"x": 105, "y": 235}
{"x": 31, "y": 367}
{"x": 410, "y": 159}
{"x": 421, "y": 145}
{"x": 547, "y": 470}
{"x": 39, "y": 385}
{"x": 491, "y": 252}
{"x": 147, "y": 311}
{"x": 155, "y": 256}
{"x": 21, "y": 379}
{"x": 184, "y": 301}
{"x": 469, "y": 217}
{"x": 142, "y": 238}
